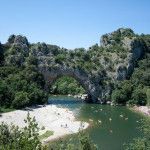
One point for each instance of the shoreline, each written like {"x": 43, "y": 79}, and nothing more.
{"x": 144, "y": 110}
{"x": 50, "y": 117}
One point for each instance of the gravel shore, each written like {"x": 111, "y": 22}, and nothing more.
{"x": 143, "y": 109}
{"x": 59, "y": 120}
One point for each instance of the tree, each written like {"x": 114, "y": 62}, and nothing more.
{"x": 21, "y": 100}
{"x": 142, "y": 143}
{"x": 139, "y": 96}
{"x": 13, "y": 138}
{"x": 60, "y": 58}
{"x": 83, "y": 142}
{"x": 148, "y": 96}
{"x": 5, "y": 94}
{"x": 1, "y": 55}
{"x": 123, "y": 93}
{"x": 119, "y": 97}
{"x": 66, "y": 85}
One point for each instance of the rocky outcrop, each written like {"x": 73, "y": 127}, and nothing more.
{"x": 18, "y": 51}
{"x": 17, "y": 39}
{"x": 51, "y": 75}
{"x": 133, "y": 47}
{"x": 115, "y": 37}
{"x": 135, "y": 51}
{"x": 96, "y": 69}
{"x": 121, "y": 73}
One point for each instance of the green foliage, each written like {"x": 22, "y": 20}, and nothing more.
{"x": 138, "y": 144}
{"x": 31, "y": 60}
{"x": 4, "y": 110}
{"x": 123, "y": 93}
{"x": 82, "y": 142}
{"x": 15, "y": 56}
{"x": 5, "y": 94}
{"x": 46, "y": 135}
{"x": 134, "y": 91}
{"x": 139, "y": 96}
{"x": 142, "y": 143}
{"x": 85, "y": 143}
{"x": 55, "y": 50}
{"x": 19, "y": 61}
{"x": 141, "y": 74}
{"x": 118, "y": 97}
{"x": 146, "y": 39}
{"x": 13, "y": 138}
{"x": 21, "y": 87}
{"x": 1, "y": 55}
{"x": 21, "y": 100}
{"x": 67, "y": 85}
{"x": 5, "y": 71}
{"x": 11, "y": 39}
{"x": 148, "y": 96}
{"x": 59, "y": 58}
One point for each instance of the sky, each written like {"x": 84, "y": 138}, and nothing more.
{"x": 71, "y": 23}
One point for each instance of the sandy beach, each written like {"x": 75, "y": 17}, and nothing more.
{"x": 59, "y": 120}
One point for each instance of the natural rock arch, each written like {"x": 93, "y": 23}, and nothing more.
{"x": 51, "y": 75}
{"x": 102, "y": 66}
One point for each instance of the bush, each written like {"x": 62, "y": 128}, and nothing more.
{"x": 123, "y": 93}
{"x": 67, "y": 85}
{"x": 119, "y": 97}
{"x": 37, "y": 96}
{"x": 139, "y": 96}
{"x": 148, "y": 96}
{"x": 82, "y": 142}
{"x": 142, "y": 143}
{"x": 21, "y": 100}
{"x": 21, "y": 87}
{"x": 12, "y": 138}
{"x": 59, "y": 58}
{"x": 5, "y": 94}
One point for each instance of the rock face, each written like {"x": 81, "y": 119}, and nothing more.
{"x": 115, "y": 37}
{"x": 17, "y": 39}
{"x": 135, "y": 52}
{"x": 96, "y": 69}
{"x": 53, "y": 74}
{"x": 133, "y": 47}
{"x": 19, "y": 50}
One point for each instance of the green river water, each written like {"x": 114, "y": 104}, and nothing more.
{"x": 119, "y": 124}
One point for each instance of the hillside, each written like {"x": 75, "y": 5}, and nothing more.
{"x": 119, "y": 68}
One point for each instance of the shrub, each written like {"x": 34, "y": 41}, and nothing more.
{"x": 66, "y": 85}
{"x": 139, "y": 96}
{"x": 118, "y": 97}
{"x": 142, "y": 143}
{"x": 59, "y": 58}
{"x": 123, "y": 93}
{"x": 21, "y": 100}
{"x": 13, "y": 138}
{"x": 82, "y": 142}
{"x": 148, "y": 96}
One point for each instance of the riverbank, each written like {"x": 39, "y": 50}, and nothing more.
{"x": 142, "y": 109}
{"x": 60, "y": 121}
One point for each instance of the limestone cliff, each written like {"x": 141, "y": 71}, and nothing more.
{"x": 97, "y": 69}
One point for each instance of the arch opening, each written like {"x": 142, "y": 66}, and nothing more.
{"x": 65, "y": 85}
{"x": 51, "y": 76}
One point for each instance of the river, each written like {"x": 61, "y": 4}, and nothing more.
{"x": 118, "y": 126}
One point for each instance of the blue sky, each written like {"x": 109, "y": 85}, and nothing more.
{"x": 71, "y": 23}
